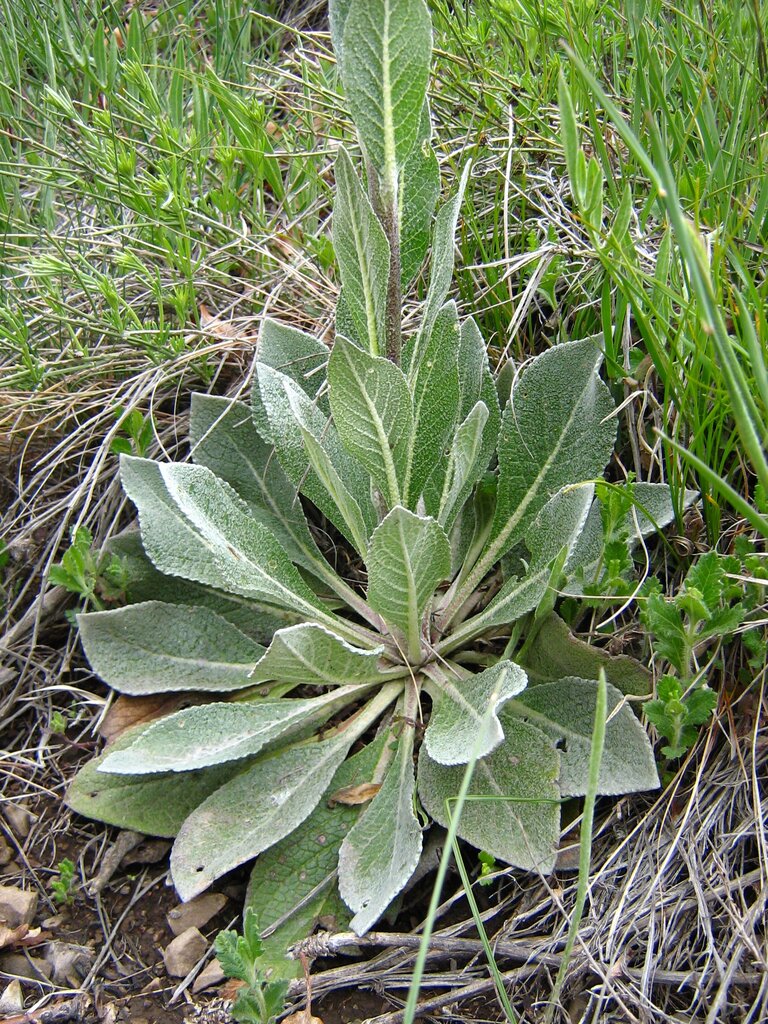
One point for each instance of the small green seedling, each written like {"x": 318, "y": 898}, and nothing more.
{"x": 704, "y": 610}
{"x": 487, "y": 866}
{"x": 616, "y": 505}
{"x": 259, "y": 1001}
{"x": 61, "y": 887}
{"x": 139, "y": 433}
{"x": 95, "y": 576}
{"x": 677, "y": 713}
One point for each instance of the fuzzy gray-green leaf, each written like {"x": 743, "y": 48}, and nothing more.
{"x": 362, "y": 252}
{"x": 251, "y": 812}
{"x": 153, "y": 647}
{"x": 441, "y": 270}
{"x": 408, "y": 556}
{"x": 155, "y": 805}
{"x": 565, "y": 711}
{"x": 556, "y": 527}
{"x": 312, "y": 655}
{"x": 294, "y": 882}
{"x": 297, "y": 355}
{"x": 463, "y": 707}
{"x": 223, "y": 437}
{"x": 419, "y": 191}
{"x": 465, "y": 465}
{"x": 519, "y": 822}
{"x": 381, "y": 851}
{"x": 556, "y": 652}
{"x": 211, "y": 734}
{"x": 435, "y": 388}
{"x": 291, "y": 413}
{"x": 195, "y": 526}
{"x": 145, "y": 582}
{"x": 476, "y": 383}
{"x": 557, "y": 429}
{"x": 386, "y": 49}
{"x": 372, "y": 412}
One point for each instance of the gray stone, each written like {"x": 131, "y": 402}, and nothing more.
{"x": 184, "y": 952}
{"x": 197, "y": 913}
{"x": 16, "y": 964}
{"x": 69, "y": 962}
{"x": 6, "y": 853}
{"x": 12, "y": 999}
{"x": 20, "y": 818}
{"x": 17, "y": 906}
{"x": 210, "y": 975}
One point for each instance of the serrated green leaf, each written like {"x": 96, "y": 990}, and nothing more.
{"x": 380, "y": 852}
{"x": 251, "y": 812}
{"x": 699, "y": 705}
{"x": 211, "y": 734}
{"x": 519, "y": 823}
{"x": 723, "y": 622}
{"x": 656, "y": 713}
{"x": 228, "y": 954}
{"x": 372, "y": 412}
{"x": 435, "y": 389}
{"x": 565, "y": 711}
{"x": 463, "y": 707}
{"x": 154, "y": 647}
{"x": 156, "y": 805}
{"x": 555, "y": 653}
{"x": 195, "y": 526}
{"x": 707, "y": 576}
{"x": 362, "y": 252}
{"x": 539, "y": 454}
{"x": 274, "y": 995}
{"x": 664, "y": 620}
{"x": 291, "y": 414}
{"x": 294, "y": 881}
{"x": 408, "y": 556}
{"x": 312, "y": 655}
{"x": 385, "y": 56}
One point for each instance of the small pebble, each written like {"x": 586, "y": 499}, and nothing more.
{"x": 184, "y": 952}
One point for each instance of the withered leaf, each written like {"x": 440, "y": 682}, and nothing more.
{"x": 351, "y": 796}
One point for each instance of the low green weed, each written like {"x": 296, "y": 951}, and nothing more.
{"x": 96, "y": 577}
{"x": 712, "y": 605}
{"x": 62, "y": 887}
{"x": 259, "y": 1001}
{"x": 138, "y": 431}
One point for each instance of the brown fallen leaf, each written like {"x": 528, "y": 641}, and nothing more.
{"x": 12, "y": 936}
{"x": 129, "y": 711}
{"x": 302, "y": 1017}
{"x": 212, "y": 324}
{"x": 351, "y": 796}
